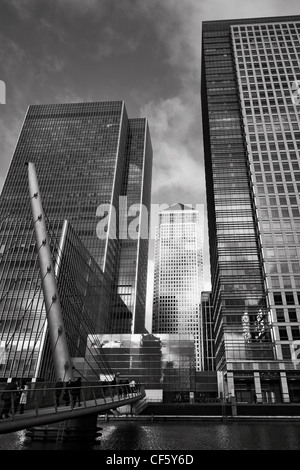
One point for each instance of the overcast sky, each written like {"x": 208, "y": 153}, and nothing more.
{"x": 145, "y": 52}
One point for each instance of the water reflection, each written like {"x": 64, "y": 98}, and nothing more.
{"x": 201, "y": 436}
{"x": 13, "y": 441}
{"x": 137, "y": 435}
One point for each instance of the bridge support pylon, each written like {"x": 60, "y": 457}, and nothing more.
{"x": 57, "y": 333}
{"x": 58, "y": 340}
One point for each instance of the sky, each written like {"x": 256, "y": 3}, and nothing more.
{"x": 146, "y": 53}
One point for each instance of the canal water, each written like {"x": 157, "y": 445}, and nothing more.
{"x": 175, "y": 436}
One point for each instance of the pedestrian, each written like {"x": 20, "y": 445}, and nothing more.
{"x": 114, "y": 381}
{"x": 132, "y": 386}
{"x": 113, "y": 390}
{"x": 58, "y": 389}
{"x": 8, "y": 397}
{"x": 23, "y": 397}
{"x": 17, "y": 396}
{"x": 76, "y": 389}
{"x": 66, "y": 395}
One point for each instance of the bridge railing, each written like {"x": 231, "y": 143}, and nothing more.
{"x": 44, "y": 394}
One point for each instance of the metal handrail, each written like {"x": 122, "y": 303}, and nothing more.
{"x": 41, "y": 395}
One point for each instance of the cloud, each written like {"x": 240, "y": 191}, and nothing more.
{"x": 176, "y": 175}
{"x": 175, "y": 122}
{"x": 22, "y": 7}
{"x": 177, "y": 147}
{"x": 12, "y": 57}
{"x": 113, "y": 42}
{"x": 178, "y": 28}
{"x": 52, "y": 64}
{"x": 86, "y": 7}
{"x": 27, "y": 9}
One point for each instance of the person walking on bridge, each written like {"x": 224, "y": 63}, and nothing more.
{"x": 23, "y": 397}
{"x": 8, "y": 397}
{"x": 58, "y": 389}
{"x": 132, "y": 386}
{"x": 75, "y": 392}
{"x": 67, "y": 392}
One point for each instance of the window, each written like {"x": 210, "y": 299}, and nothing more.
{"x": 292, "y": 314}
{"x": 277, "y": 298}
{"x": 289, "y": 296}
{"x": 283, "y": 333}
{"x": 286, "y": 352}
{"x": 280, "y": 315}
{"x": 295, "y": 332}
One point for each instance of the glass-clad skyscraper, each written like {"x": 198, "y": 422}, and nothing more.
{"x": 134, "y": 213}
{"x": 251, "y": 128}
{"x": 93, "y": 166}
{"x": 178, "y": 275}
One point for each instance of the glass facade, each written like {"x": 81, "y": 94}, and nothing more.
{"x": 208, "y": 331}
{"x": 131, "y": 272}
{"x": 75, "y": 149}
{"x": 83, "y": 292}
{"x": 22, "y": 314}
{"x": 178, "y": 275}
{"x": 251, "y": 142}
{"x": 163, "y": 362}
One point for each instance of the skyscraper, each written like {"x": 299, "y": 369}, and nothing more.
{"x": 94, "y": 170}
{"x": 131, "y": 269}
{"x": 178, "y": 274}
{"x": 249, "y": 86}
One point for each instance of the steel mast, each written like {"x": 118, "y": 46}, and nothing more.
{"x": 58, "y": 340}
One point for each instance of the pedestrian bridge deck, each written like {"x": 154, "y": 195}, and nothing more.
{"x": 40, "y": 411}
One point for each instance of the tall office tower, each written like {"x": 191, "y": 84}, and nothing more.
{"x": 178, "y": 275}
{"x": 251, "y": 122}
{"x": 93, "y": 166}
{"x": 128, "y": 316}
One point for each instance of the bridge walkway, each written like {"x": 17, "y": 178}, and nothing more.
{"x": 94, "y": 400}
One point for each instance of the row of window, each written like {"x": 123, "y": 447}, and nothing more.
{"x": 287, "y": 298}
{"x": 284, "y": 333}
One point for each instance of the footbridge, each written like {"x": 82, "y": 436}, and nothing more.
{"x": 42, "y": 408}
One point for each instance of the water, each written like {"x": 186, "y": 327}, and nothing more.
{"x": 181, "y": 435}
